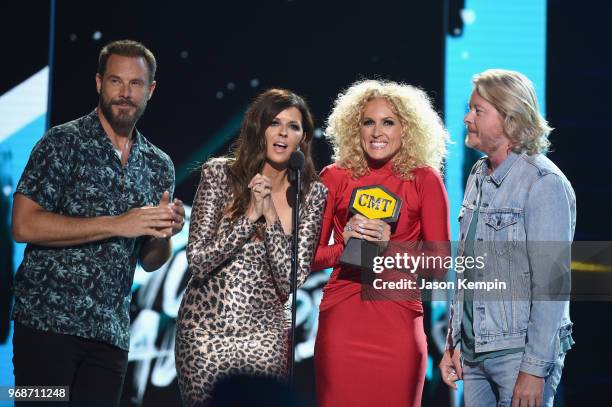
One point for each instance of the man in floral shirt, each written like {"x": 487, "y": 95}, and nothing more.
{"x": 93, "y": 200}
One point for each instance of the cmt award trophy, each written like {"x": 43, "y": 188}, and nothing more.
{"x": 373, "y": 202}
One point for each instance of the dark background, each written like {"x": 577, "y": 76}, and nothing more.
{"x": 579, "y": 85}
{"x": 317, "y": 48}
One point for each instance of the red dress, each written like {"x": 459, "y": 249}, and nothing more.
{"x": 367, "y": 352}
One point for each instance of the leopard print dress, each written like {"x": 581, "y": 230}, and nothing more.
{"x": 234, "y": 317}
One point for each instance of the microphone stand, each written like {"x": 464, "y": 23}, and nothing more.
{"x": 294, "y": 259}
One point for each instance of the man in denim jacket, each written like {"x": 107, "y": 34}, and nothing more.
{"x": 508, "y": 343}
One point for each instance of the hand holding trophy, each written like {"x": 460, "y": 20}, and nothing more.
{"x": 372, "y": 202}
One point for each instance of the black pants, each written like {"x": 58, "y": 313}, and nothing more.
{"x": 93, "y": 370}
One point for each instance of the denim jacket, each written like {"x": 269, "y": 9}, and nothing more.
{"x": 527, "y": 199}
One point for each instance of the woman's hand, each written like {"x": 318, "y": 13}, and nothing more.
{"x": 374, "y": 230}
{"x": 261, "y": 188}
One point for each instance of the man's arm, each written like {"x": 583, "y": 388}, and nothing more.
{"x": 36, "y": 202}
{"x": 33, "y": 224}
{"x": 548, "y": 219}
{"x": 549, "y": 229}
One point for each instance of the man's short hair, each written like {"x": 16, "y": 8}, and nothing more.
{"x": 127, "y": 48}
{"x": 514, "y": 97}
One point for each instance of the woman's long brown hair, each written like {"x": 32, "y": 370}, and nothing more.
{"x": 249, "y": 151}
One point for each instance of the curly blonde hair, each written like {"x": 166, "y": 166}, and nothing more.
{"x": 514, "y": 97}
{"x": 424, "y": 137}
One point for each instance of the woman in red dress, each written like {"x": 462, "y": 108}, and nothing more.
{"x": 371, "y": 348}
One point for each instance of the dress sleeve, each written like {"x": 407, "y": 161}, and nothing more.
{"x": 328, "y": 255}
{"x": 435, "y": 220}
{"x": 278, "y": 244}
{"x": 208, "y": 247}
{"x": 435, "y": 225}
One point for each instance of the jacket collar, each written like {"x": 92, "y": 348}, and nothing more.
{"x": 500, "y": 172}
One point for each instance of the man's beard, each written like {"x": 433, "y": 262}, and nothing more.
{"x": 123, "y": 120}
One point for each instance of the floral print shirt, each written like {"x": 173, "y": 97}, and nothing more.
{"x": 85, "y": 290}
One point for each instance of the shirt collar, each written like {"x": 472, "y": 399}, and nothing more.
{"x": 93, "y": 124}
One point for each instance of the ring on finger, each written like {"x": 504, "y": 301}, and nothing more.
{"x": 349, "y": 227}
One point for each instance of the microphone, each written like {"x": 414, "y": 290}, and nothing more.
{"x": 296, "y": 163}
{"x": 297, "y": 160}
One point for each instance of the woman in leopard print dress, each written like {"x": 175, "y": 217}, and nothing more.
{"x": 235, "y": 316}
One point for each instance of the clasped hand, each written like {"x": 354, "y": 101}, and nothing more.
{"x": 162, "y": 221}
{"x": 261, "y": 203}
